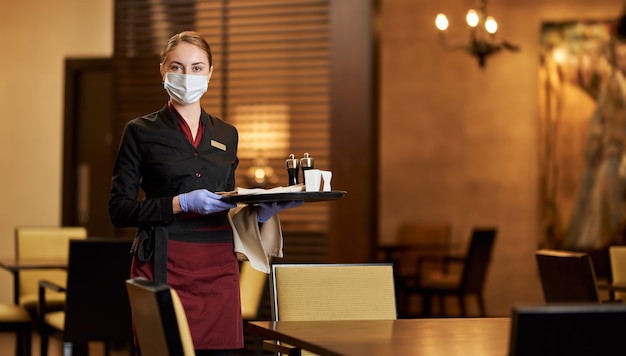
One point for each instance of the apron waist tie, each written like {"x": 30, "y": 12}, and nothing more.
{"x": 160, "y": 254}
{"x": 152, "y": 242}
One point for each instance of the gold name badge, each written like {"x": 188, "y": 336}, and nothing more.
{"x": 219, "y": 145}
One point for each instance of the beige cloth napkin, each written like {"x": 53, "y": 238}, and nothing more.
{"x": 253, "y": 243}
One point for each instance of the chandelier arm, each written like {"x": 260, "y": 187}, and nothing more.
{"x": 481, "y": 44}
{"x": 456, "y": 45}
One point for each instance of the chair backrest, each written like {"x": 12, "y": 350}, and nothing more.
{"x": 97, "y": 305}
{"x": 332, "y": 292}
{"x": 478, "y": 259}
{"x": 435, "y": 234}
{"x": 43, "y": 243}
{"x": 252, "y": 285}
{"x": 569, "y": 329}
{"x": 566, "y": 276}
{"x": 426, "y": 238}
{"x": 617, "y": 257}
{"x": 160, "y": 320}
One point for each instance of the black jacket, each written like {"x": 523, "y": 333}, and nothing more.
{"x": 156, "y": 156}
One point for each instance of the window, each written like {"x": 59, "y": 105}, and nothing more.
{"x": 271, "y": 60}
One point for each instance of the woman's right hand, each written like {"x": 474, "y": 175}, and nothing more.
{"x": 202, "y": 201}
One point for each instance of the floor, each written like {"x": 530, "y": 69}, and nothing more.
{"x": 7, "y": 347}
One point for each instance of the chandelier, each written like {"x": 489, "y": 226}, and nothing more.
{"x": 482, "y": 28}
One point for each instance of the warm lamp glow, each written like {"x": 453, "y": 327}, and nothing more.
{"x": 559, "y": 55}
{"x": 472, "y": 18}
{"x": 263, "y": 134}
{"x": 491, "y": 25}
{"x": 259, "y": 174}
{"x": 441, "y": 21}
{"x": 482, "y": 34}
{"x": 263, "y": 130}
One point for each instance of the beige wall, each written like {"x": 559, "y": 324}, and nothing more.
{"x": 38, "y": 36}
{"x": 460, "y": 143}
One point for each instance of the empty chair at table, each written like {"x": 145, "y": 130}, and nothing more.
{"x": 97, "y": 307}
{"x": 567, "y": 276}
{"x": 160, "y": 321}
{"x": 252, "y": 288}
{"x": 567, "y": 329}
{"x": 16, "y": 319}
{"x": 617, "y": 258}
{"x": 42, "y": 243}
{"x": 332, "y": 292}
{"x": 469, "y": 281}
{"x": 415, "y": 240}
{"x": 305, "y": 292}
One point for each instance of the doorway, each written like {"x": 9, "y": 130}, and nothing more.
{"x": 88, "y": 149}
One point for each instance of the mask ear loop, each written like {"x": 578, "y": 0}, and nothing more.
{"x": 162, "y": 73}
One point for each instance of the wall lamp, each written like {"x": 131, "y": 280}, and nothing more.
{"x": 263, "y": 138}
{"x": 482, "y": 42}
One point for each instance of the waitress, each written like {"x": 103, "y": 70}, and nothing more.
{"x": 179, "y": 156}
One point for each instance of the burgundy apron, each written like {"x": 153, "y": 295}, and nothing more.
{"x": 201, "y": 266}
{"x": 206, "y": 277}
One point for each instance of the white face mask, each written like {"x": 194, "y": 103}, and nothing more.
{"x": 185, "y": 88}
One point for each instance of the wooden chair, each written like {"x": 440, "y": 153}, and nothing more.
{"x": 253, "y": 288}
{"x": 617, "y": 258}
{"x": 252, "y": 285}
{"x": 42, "y": 243}
{"x": 416, "y": 240}
{"x": 330, "y": 292}
{"x": 160, "y": 321}
{"x": 474, "y": 266}
{"x": 567, "y": 329}
{"x": 567, "y": 276}
{"x": 16, "y": 319}
{"x": 96, "y": 307}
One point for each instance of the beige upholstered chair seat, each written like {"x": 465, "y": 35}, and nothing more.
{"x": 16, "y": 319}
{"x": 55, "y": 320}
{"x": 42, "y": 243}
{"x": 617, "y": 256}
{"x": 252, "y": 285}
{"x": 13, "y": 313}
{"x": 54, "y": 300}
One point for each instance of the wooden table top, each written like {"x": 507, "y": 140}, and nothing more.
{"x": 13, "y": 264}
{"x": 433, "y": 337}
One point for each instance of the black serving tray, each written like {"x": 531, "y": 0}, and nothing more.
{"x": 291, "y": 196}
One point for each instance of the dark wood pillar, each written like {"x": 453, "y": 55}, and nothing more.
{"x": 354, "y": 131}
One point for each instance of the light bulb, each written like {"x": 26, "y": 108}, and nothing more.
{"x": 491, "y": 25}
{"x": 441, "y": 21}
{"x": 259, "y": 174}
{"x": 559, "y": 55}
{"x": 472, "y": 18}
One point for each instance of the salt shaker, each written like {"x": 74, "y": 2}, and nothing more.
{"x": 292, "y": 169}
{"x": 306, "y": 163}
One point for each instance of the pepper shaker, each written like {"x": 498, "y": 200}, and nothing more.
{"x": 292, "y": 169}
{"x": 306, "y": 163}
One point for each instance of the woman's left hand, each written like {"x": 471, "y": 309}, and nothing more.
{"x": 267, "y": 210}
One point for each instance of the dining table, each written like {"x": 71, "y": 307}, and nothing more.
{"x": 424, "y": 336}
{"x": 14, "y": 266}
{"x": 612, "y": 286}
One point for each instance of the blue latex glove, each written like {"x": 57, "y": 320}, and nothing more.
{"x": 267, "y": 210}
{"x": 203, "y": 202}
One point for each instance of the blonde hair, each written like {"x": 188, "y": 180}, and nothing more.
{"x": 190, "y": 37}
